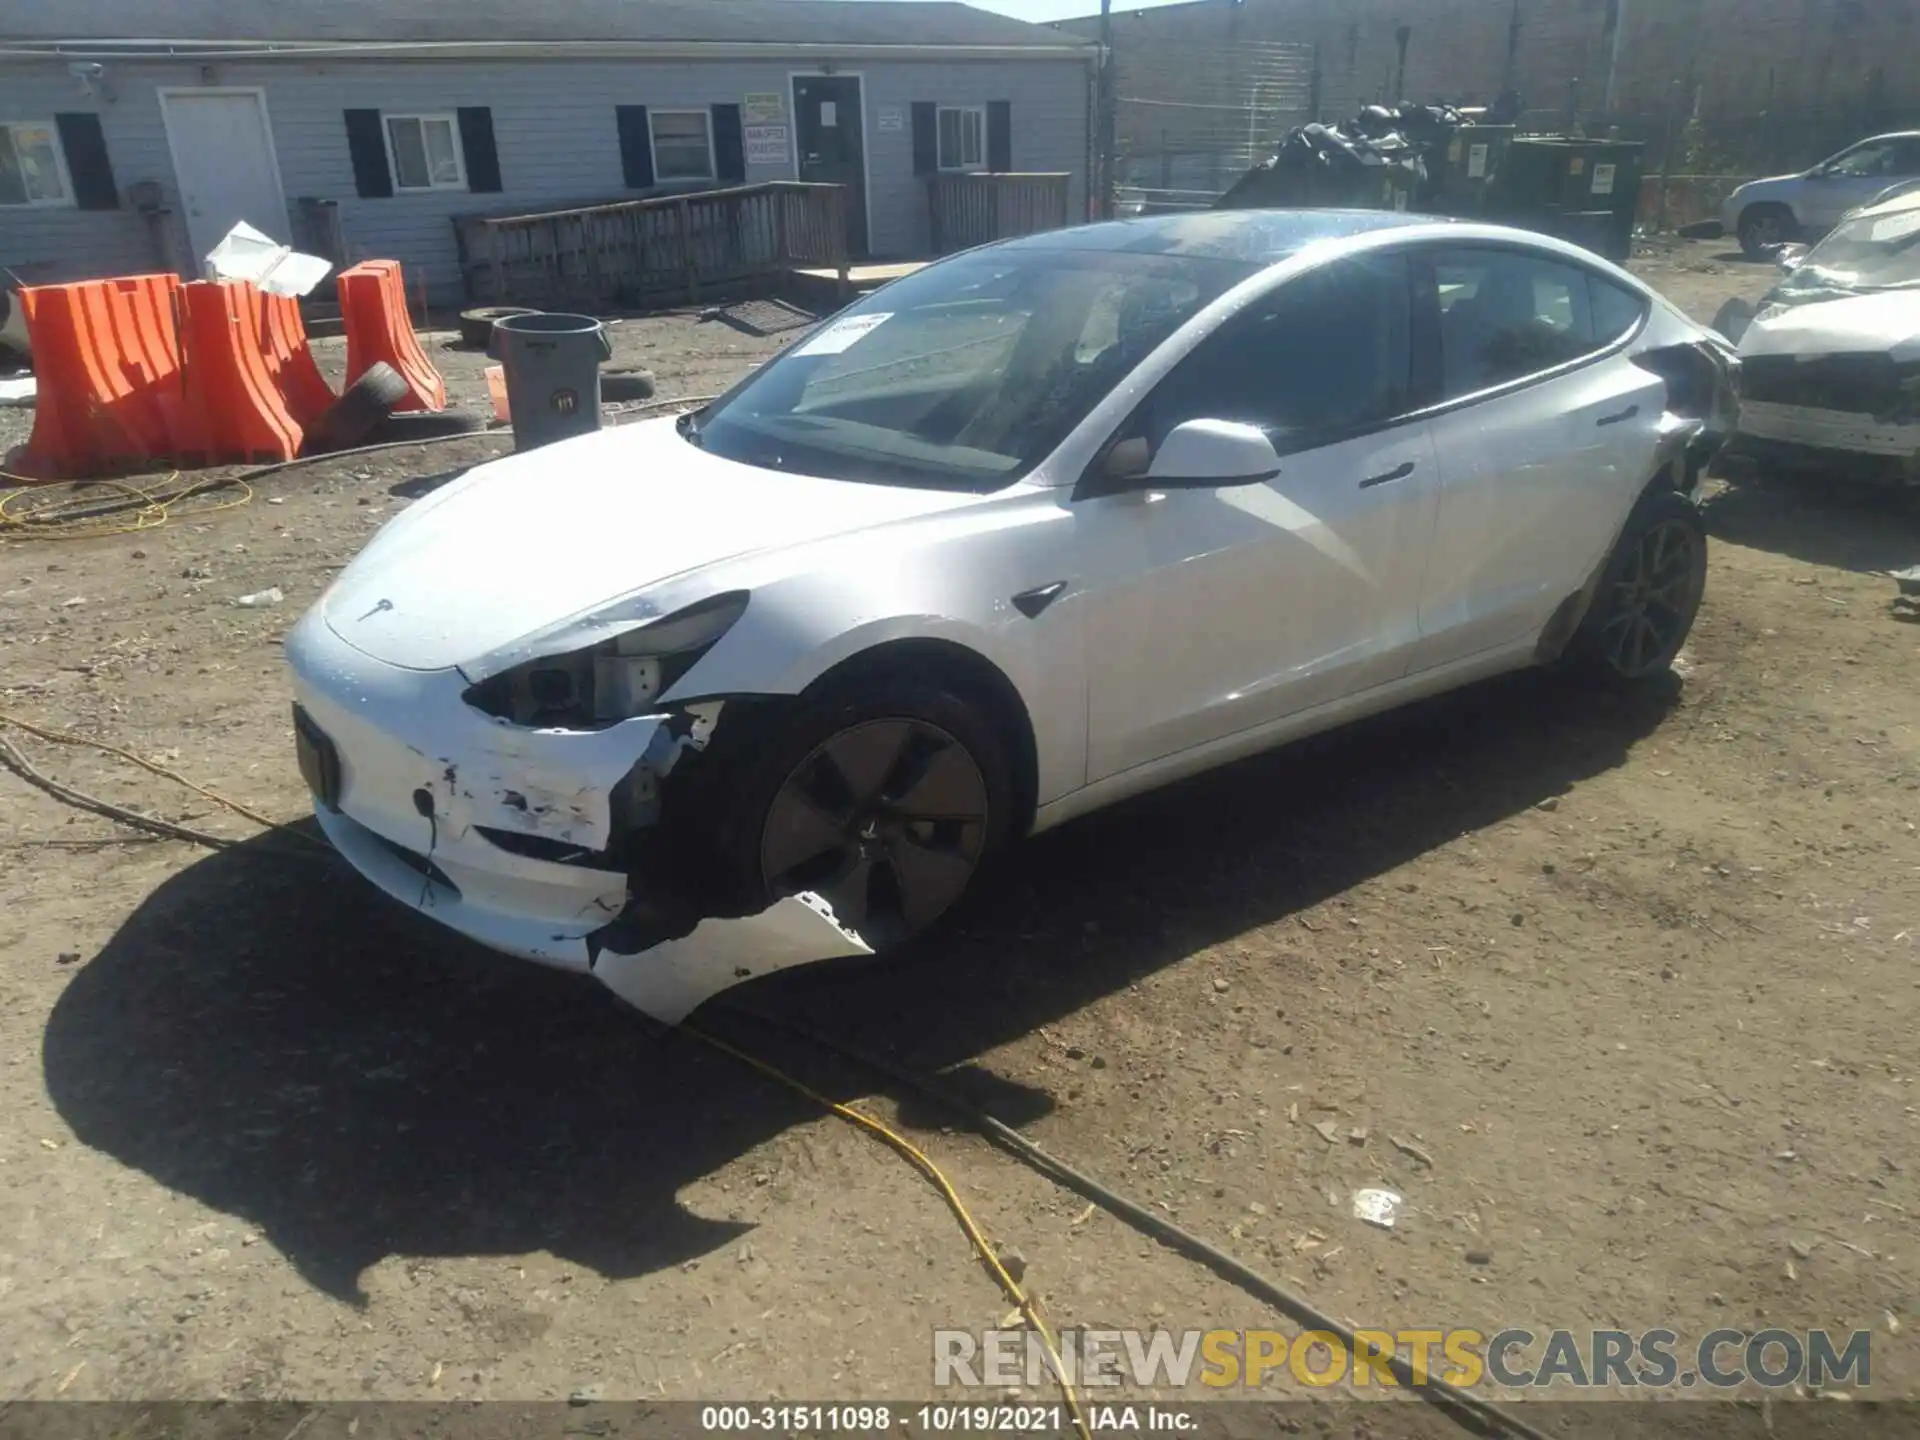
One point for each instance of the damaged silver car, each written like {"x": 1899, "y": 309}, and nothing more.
{"x": 1830, "y": 359}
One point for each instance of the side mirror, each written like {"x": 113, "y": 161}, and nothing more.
{"x": 1790, "y": 258}
{"x": 1203, "y": 454}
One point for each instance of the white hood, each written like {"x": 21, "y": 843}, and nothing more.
{"x": 522, "y": 544}
{"x": 1885, "y": 322}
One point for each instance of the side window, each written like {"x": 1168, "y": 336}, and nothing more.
{"x": 1906, "y": 157}
{"x": 1326, "y": 354}
{"x": 1866, "y": 161}
{"x": 1505, "y": 315}
{"x": 1615, "y": 311}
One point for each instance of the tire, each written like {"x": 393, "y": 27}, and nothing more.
{"x": 363, "y": 405}
{"x": 424, "y": 425}
{"x": 876, "y": 864}
{"x": 476, "y": 326}
{"x": 1649, "y": 593}
{"x": 1762, "y": 227}
{"x": 619, "y": 385}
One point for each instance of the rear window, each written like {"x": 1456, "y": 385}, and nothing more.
{"x": 1616, "y": 310}
{"x": 1506, "y": 315}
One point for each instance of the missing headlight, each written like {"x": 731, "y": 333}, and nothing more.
{"x": 613, "y": 680}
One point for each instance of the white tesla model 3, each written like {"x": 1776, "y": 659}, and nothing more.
{"x": 1041, "y": 526}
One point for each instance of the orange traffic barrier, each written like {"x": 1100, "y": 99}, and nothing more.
{"x": 373, "y": 301}
{"x": 283, "y": 341}
{"x": 107, "y": 357}
{"x": 234, "y": 406}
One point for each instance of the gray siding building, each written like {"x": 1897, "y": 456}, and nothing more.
{"x": 133, "y": 133}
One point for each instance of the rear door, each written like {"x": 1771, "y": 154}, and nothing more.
{"x": 1546, "y": 434}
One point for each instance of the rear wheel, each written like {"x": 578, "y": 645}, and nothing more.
{"x": 1764, "y": 226}
{"x": 1649, "y": 594}
{"x": 886, "y": 798}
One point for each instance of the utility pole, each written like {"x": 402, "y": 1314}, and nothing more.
{"x": 1104, "y": 120}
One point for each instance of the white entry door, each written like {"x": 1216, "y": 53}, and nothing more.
{"x": 224, "y": 163}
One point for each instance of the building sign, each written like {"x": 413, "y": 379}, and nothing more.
{"x": 766, "y": 144}
{"x": 892, "y": 117}
{"x": 763, "y": 108}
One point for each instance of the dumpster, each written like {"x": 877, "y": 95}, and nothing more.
{"x": 1547, "y": 178}
{"x": 1464, "y": 171}
{"x": 552, "y": 366}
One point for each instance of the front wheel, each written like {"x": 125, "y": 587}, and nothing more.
{"x": 1649, "y": 593}
{"x": 1763, "y": 227}
{"x": 885, "y": 797}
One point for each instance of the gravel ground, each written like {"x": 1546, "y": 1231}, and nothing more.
{"x": 1621, "y": 995}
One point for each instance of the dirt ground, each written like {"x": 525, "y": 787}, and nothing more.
{"x": 1640, "y": 979}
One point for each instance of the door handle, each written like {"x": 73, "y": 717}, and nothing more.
{"x": 1399, "y": 472}
{"x": 1626, "y": 414}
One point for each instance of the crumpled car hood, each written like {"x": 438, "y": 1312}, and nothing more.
{"x": 1885, "y": 322}
{"x": 524, "y": 543}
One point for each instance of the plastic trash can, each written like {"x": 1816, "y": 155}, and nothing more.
{"x": 552, "y": 365}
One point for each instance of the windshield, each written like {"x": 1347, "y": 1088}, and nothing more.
{"x": 1869, "y": 252}
{"x": 965, "y": 375}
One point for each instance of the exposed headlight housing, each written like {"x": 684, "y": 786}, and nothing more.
{"x": 613, "y": 680}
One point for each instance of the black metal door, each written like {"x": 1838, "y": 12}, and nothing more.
{"x": 829, "y": 131}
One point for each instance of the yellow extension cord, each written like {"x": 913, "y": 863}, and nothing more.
{"x": 49, "y": 520}
{"x": 917, "y": 1157}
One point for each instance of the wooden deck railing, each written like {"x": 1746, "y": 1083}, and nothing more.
{"x": 661, "y": 250}
{"x": 969, "y": 210}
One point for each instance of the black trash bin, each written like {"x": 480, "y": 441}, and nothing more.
{"x": 552, "y": 365}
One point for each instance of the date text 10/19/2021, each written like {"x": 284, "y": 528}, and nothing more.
{"x": 878, "y": 1420}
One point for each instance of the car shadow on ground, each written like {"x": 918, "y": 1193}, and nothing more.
{"x": 272, "y": 1038}
{"x": 1823, "y": 522}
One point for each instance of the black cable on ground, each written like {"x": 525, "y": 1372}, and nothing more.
{"x": 1470, "y": 1411}
{"x": 12, "y": 759}
{"x": 1466, "y": 1409}
{"x": 142, "y": 500}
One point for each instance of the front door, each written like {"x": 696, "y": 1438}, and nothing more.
{"x": 1219, "y": 611}
{"x": 829, "y": 132}
{"x": 223, "y": 163}
{"x": 1855, "y": 176}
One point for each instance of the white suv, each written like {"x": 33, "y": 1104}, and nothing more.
{"x": 1765, "y": 213}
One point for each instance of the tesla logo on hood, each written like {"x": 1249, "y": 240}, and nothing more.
{"x": 378, "y": 608}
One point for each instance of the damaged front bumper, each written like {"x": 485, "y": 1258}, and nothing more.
{"x": 513, "y": 836}
{"x": 1841, "y": 443}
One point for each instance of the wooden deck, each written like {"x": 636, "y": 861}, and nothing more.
{"x": 820, "y": 289}
{"x": 862, "y": 278}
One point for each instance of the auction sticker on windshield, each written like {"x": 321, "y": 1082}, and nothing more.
{"x": 1895, "y": 227}
{"x": 843, "y": 334}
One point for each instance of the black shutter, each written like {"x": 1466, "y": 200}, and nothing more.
{"x": 476, "y": 144}
{"x": 729, "y": 148}
{"x": 368, "y": 147}
{"x": 999, "y": 136}
{"x": 85, "y": 147}
{"x": 636, "y": 146}
{"x": 926, "y": 137}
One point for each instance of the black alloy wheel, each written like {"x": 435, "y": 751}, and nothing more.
{"x": 886, "y": 819}
{"x": 1649, "y": 601}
